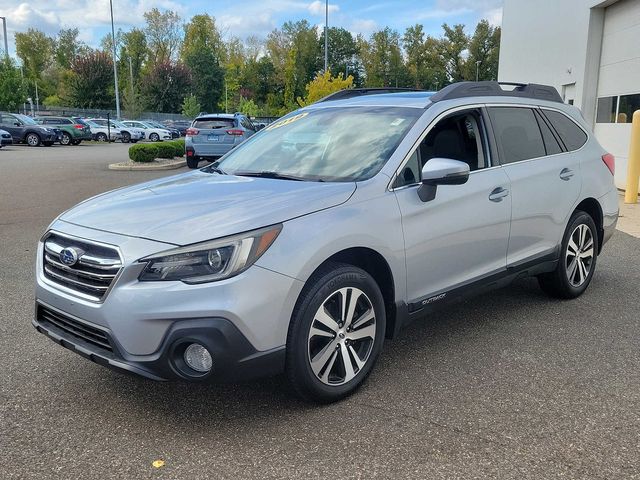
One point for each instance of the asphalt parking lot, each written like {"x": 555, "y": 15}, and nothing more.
{"x": 508, "y": 385}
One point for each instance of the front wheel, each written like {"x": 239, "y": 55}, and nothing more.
{"x": 32, "y": 139}
{"x": 579, "y": 253}
{"x": 126, "y": 137}
{"x": 336, "y": 333}
{"x": 154, "y": 137}
{"x": 76, "y": 142}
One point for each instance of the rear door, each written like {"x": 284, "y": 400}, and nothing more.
{"x": 215, "y": 131}
{"x": 545, "y": 181}
{"x": 8, "y": 123}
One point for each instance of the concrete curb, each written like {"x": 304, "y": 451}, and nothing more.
{"x": 148, "y": 166}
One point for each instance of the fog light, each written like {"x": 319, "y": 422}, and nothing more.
{"x": 198, "y": 358}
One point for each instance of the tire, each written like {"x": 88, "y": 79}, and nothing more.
{"x": 66, "y": 139}
{"x": 48, "y": 144}
{"x": 134, "y": 141}
{"x": 32, "y": 139}
{"x": 101, "y": 137}
{"x": 76, "y": 142}
{"x": 154, "y": 137}
{"x": 126, "y": 137}
{"x": 578, "y": 258}
{"x": 192, "y": 162}
{"x": 319, "y": 352}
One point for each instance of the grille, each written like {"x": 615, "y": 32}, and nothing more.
{"x": 95, "y": 267}
{"x": 76, "y": 329}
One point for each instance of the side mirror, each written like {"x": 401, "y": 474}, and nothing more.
{"x": 441, "y": 171}
{"x": 17, "y": 124}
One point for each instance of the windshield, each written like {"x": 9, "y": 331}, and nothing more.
{"x": 25, "y": 119}
{"x": 329, "y": 144}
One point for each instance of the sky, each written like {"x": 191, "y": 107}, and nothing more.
{"x": 246, "y": 17}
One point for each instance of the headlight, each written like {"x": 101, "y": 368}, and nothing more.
{"x": 209, "y": 261}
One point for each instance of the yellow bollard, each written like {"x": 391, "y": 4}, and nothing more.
{"x": 633, "y": 168}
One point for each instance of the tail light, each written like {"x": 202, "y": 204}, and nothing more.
{"x": 78, "y": 126}
{"x": 235, "y": 132}
{"x": 610, "y": 161}
{"x": 191, "y": 132}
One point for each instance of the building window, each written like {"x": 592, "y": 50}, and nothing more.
{"x": 628, "y": 105}
{"x": 607, "y": 107}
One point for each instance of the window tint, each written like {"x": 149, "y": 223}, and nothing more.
{"x": 628, "y": 105}
{"x": 571, "y": 135}
{"x": 517, "y": 133}
{"x": 459, "y": 137}
{"x": 213, "y": 123}
{"x": 551, "y": 144}
{"x": 606, "y": 112}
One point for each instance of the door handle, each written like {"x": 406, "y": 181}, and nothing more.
{"x": 566, "y": 174}
{"x": 498, "y": 194}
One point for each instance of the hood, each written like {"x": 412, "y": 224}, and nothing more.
{"x": 199, "y": 206}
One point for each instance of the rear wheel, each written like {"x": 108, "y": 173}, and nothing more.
{"x": 336, "y": 333}
{"x": 579, "y": 254}
{"x": 32, "y": 139}
{"x": 101, "y": 137}
{"x": 192, "y": 162}
{"x": 66, "y": 139}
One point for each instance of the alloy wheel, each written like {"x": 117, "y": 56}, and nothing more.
{"x": 579, "y": 255}
{"x": 341, "y": 336}
{"x": 33, "y": 140}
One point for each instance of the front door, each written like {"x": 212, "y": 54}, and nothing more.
{"x": 462, "y": 234}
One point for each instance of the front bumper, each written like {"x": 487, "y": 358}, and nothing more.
{"x": 243, "y": 320}
{"x": 6, "y": 141}
{"x": 234, "y": 358}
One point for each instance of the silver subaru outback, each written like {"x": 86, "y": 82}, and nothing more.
{"x": 305, "y": 248}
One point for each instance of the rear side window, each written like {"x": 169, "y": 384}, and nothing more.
{"x": 550, "y": 142}
{"x": 571, "y": 134}
{"x": 517, "y": 133}
{"x": 213, "y": 123}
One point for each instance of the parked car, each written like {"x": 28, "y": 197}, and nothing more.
{"x": 5, "y": 138}
{"x": 180, "y": 125}
{"x": 128, "y": 134}
{"x": 212, "y": 135}
{"x": 71, "y": 131}
{"x": 306, "y": 247}
{"x": 24, "y": 129}
{"x": 154, "y": 134}
{"x": 175, "y": 133}
{"x": 103, "y": 133}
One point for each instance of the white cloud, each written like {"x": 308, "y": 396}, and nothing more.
{"x": 318, "y": 8}
{"x": 494, "y": 17}
{"x": 365, "y": 27}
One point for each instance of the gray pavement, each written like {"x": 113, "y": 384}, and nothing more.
{"x": 508, "y": 385}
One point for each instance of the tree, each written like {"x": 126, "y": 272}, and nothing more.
{"x": 248, "y": 107}
{"x": 451, "y": 47}
{"x": 12, "y": 91}
{"x": 164, "y": 35}
{"x": 484, "y": 47}
{"x": 342, "y": 51}
{"x": 133, "y": 46}
{"x": 190, "y": 106}
{"x": 34, "y": 49}
{"x": 202, "y": 51}
{"x": 164, "y": 86}
{"x": 67, "y": 47}
{"x": 382, "y": 59}
{"x": 91, "y": 83}
{"x": 323, "y": 85}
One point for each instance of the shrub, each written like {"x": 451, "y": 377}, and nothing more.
{"x": 166, "y": 150}
{"x": 179, "y": 147}
{"x": 144, "y": 153}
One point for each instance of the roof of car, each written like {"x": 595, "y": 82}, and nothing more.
{"x": 230, "y": 116}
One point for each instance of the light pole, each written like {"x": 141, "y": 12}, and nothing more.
{"x": 4, "y": 31}
{"x": 326, "y": 36}
{"x": 115, "y": 65}
{"x": 478, "y": 69}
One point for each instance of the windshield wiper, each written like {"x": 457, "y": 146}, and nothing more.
{"x": 213, "y": 168}
{"x": 270, "y": 174}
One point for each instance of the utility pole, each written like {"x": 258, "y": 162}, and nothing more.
{"x": 478, "y": 62}
{"x": 4, "y": 30}
{"x": 37, "y": 99}
{"x": 326, "y": 36}
{"x": 115, "y": 65}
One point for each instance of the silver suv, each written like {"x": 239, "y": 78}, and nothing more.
{"x": 212, "y": 135}
{"x": 327, "y": 232}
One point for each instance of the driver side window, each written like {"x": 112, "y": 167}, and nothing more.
{"x": 459, "y": 136}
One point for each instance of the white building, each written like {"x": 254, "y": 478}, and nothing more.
{"x": 589, "y": 50}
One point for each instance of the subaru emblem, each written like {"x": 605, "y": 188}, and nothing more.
{"x": 69, "y": 256}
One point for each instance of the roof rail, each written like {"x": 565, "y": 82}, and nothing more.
{"x": 357, "y": 92}
{"x": 494, "y": 89}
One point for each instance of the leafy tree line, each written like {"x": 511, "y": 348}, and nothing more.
{"x": 171, "y": 66}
